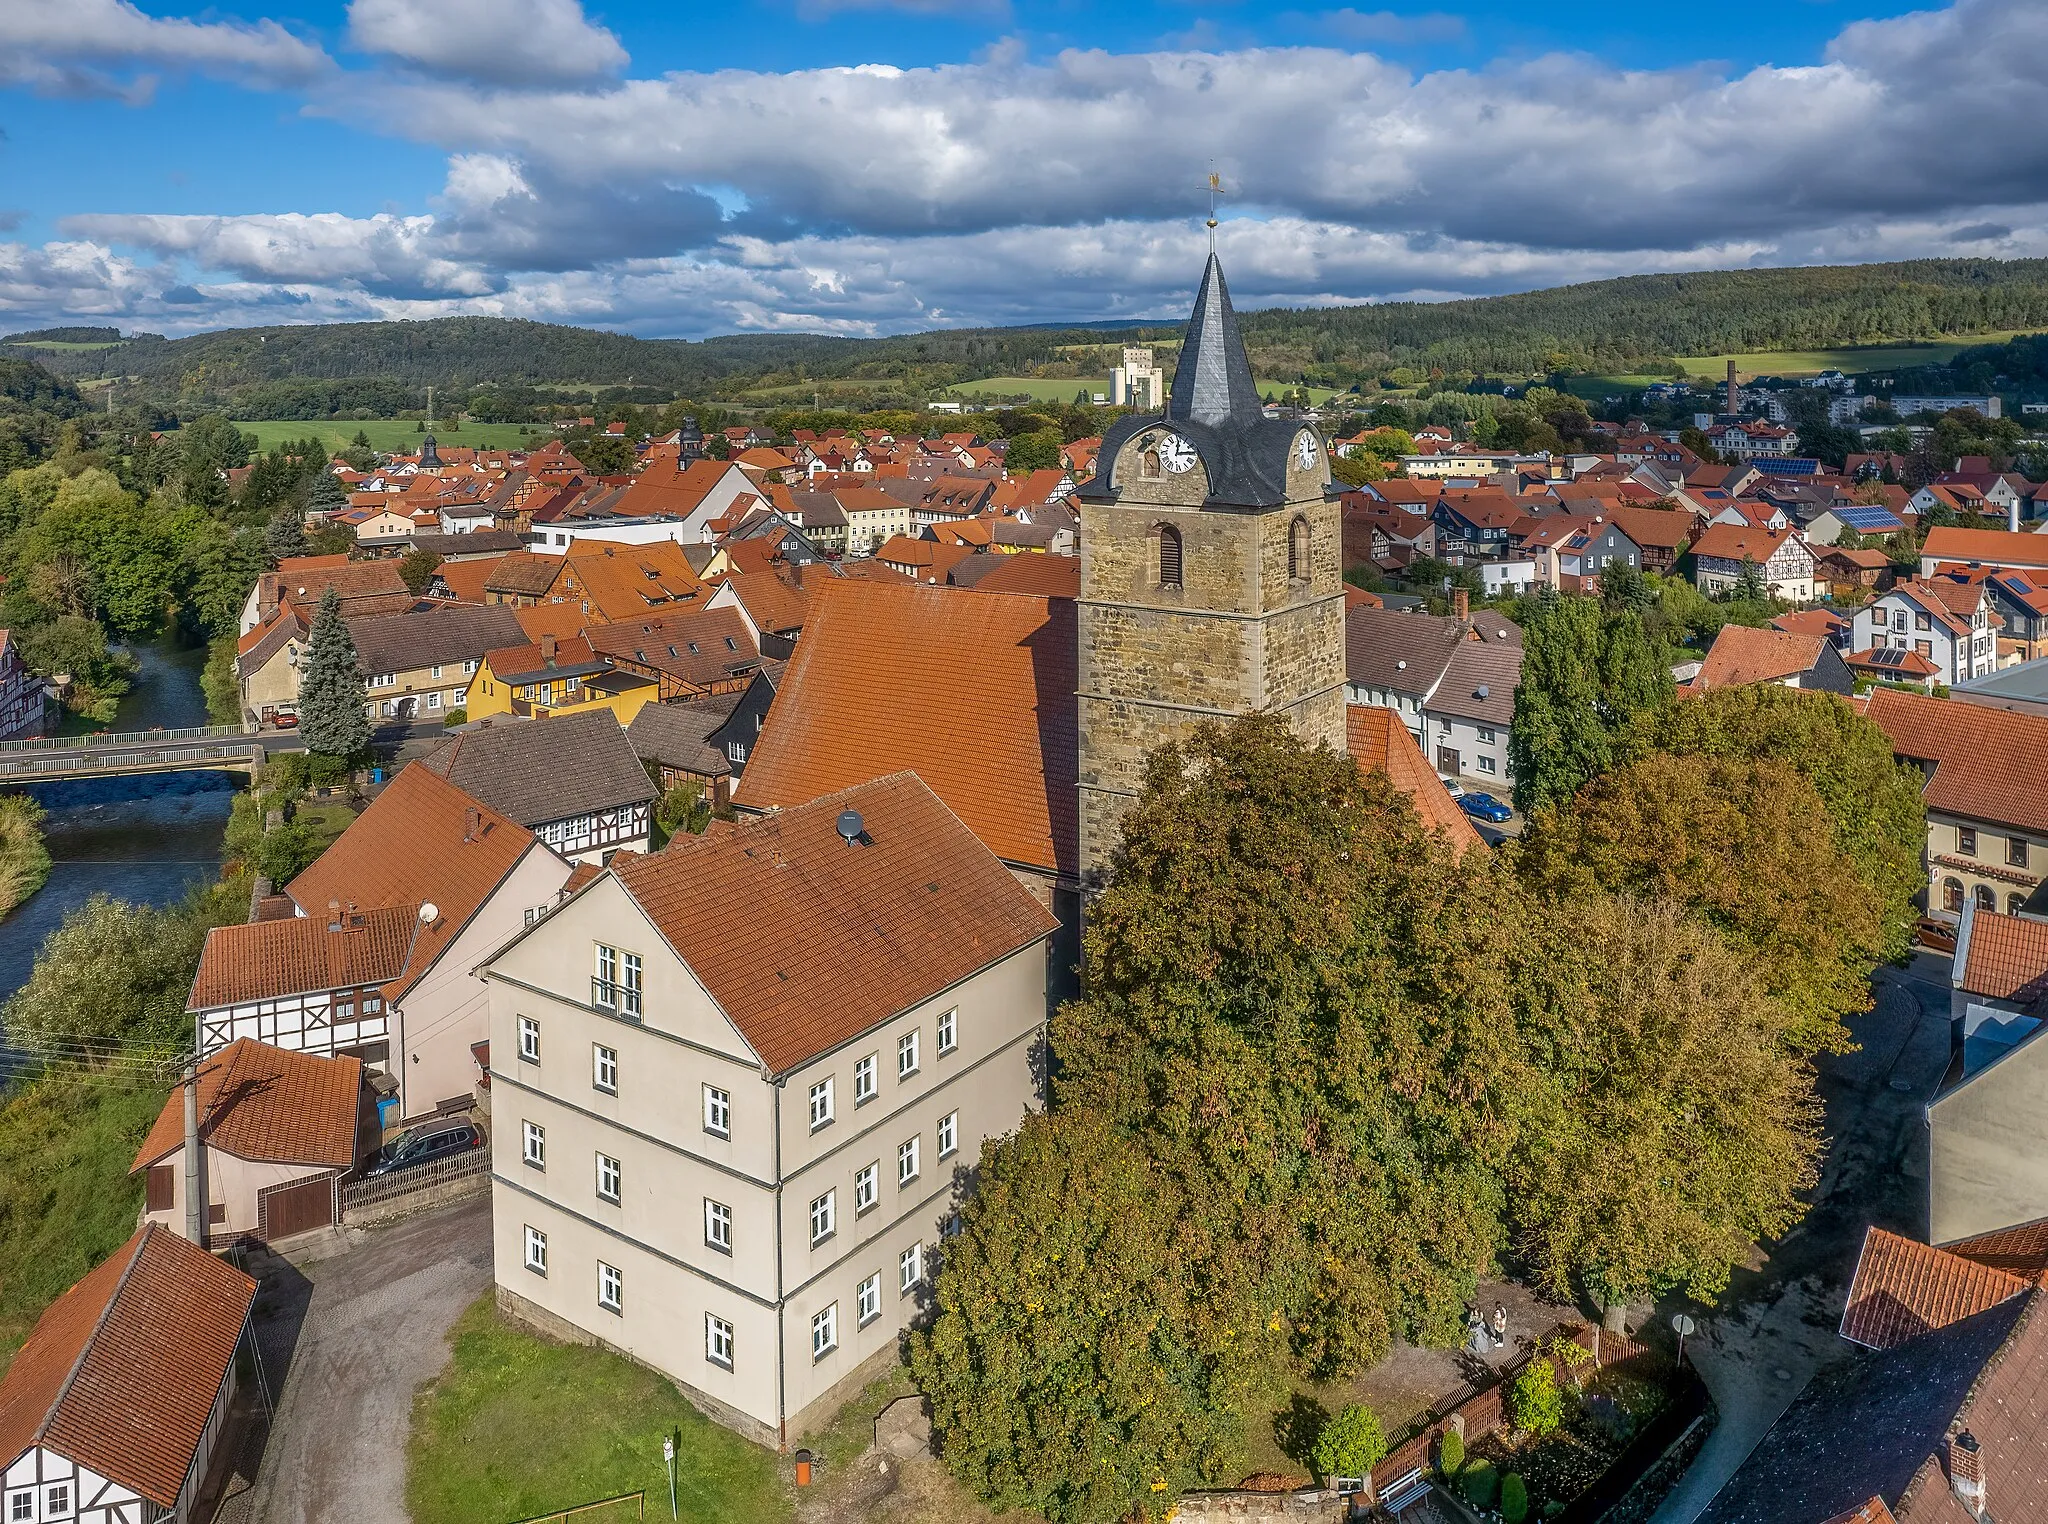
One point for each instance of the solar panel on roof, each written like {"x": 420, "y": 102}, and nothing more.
{"x": 1869, "y": 518}
{"x": 1888, "y": 657}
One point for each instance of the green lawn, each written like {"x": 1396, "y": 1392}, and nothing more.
{"x": 518, "y": 1425}
{"x": 1848, "y": 359}
{"x": 62, "y": 344}
{"x": 393, "y": 435}
{"x": 326, "y": 818}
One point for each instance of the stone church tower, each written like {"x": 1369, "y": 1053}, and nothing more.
{"x": 1211, "y": 574}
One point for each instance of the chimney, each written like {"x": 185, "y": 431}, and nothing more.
{"x": 547, "y": 650}
{"x": 2012, "y": 516}
{"x": 334, "y": 915}
{"x": 472, "y": 824}
{"x": 1966, "y": 1472}
{"x": 1461, "y": 603}
{"x": 1734, "y": 393}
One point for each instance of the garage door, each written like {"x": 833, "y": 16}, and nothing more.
{"x": 299, "y": 1207}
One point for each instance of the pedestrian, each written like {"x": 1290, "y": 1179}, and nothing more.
{"x": 1475, "y": 1331}
{"x": 1500, "y": 1325}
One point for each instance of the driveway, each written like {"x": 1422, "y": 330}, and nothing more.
{"x": 374, "y": 1329}
{"x": 1777, "y": 1324}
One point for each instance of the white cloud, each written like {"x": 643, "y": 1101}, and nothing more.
{"x": 496, "y": 42}
{"x": 97, "y": 47}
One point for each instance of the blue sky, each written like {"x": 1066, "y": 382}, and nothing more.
{"x": 868, "y": 166}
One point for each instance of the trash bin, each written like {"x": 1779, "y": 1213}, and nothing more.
{"x": 376, "y": 775}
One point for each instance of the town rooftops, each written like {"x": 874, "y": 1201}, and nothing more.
{"x": 1986, "y": 764}
{"x": 523, "y": 574}
{"x": 1985, "y": 547}
{"x": 1376, "y": 738}
{"x": 884, "y": 668}
{"x": 263, "y": 1103}
{"x": 545, "y": 658}
{"x": 679, "y": 734}
{"x": 1825, "y": 622}
{"x": 2002, "y": 957}
{"x": 537, "y": 771}
{"x": 1903, "y": 1289}
{"x": 1411, "y": 652}
{"x": 697, "y": 646}
{"x": 910, "y": 907}
{"x": 324, "y": 949}
{"x": 121, "y": 1372}
{"x": 445, "y": 636}
{"x": 1738, "y": 542}
{"x": 1043, "y": 575}
{"x": 1741, "y": 655}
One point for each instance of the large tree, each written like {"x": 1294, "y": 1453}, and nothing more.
{"x": 1588, "y": 671}
{"x": 331, "y": 715}
{"x": 113, "y": 973}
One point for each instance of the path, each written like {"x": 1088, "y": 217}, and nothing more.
{"x": 1778, "y": 1325}
{"x": 375, "y": 1330}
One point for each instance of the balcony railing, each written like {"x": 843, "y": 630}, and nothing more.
{"x": 609, "y": 995}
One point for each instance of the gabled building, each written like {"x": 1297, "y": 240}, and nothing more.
{"x": 23, "y": 706}
{"x": 1451, "y": 680}
{"x": 1783, "y": 563}
{"x": 733, "y": 1155}
{"x": 547, "y": 678}
{"x": 1741, "y": 656}
{"x": 418, "y": 665}
{"x": 706, "y": 740}
{"x": 1948, "y": 623}
{"x": 574, "y": 780}
{"x": 111, "y": 1411}
{"x": 704, "y": 650}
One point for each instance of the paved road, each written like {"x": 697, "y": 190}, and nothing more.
{"x": 1777, "y": 1326}
{"x": 375, "y": 1329}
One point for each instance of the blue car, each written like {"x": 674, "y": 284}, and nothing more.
{"x": 1485, "y": 807}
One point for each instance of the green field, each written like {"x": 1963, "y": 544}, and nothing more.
{"x": 1848, "y": 359}
{"x": 62, "y": 344}
{"x": 392, "y": 435}
{"x": 1040, "y": 390}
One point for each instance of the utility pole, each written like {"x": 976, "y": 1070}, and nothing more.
{"x": 195, "y": 1173}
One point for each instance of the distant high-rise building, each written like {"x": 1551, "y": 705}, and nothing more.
{"x": 1138, "y": 382}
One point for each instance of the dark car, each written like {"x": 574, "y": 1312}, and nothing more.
{"x": 1485, "y": 807}
{"x": 424, "y": 1144}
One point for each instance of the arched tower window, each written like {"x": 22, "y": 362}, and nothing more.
{"x": 1169, "y": 556}
{"x": 1148, "y": 463}
{"x": 1297, "y": 550}
{"x": 1952, "y": 895}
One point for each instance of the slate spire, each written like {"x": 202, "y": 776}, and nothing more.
{"x": 1212, "y": 382}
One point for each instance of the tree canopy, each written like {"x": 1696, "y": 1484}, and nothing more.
{"x": 331, "y": 716}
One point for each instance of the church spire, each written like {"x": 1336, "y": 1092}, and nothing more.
{"x": 1212, "y": 382}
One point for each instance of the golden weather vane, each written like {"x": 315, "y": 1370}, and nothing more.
{"x": 1215, "y": 190}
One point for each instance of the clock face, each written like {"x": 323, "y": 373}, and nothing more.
{"x": 1176, "y": 454}
{"x": 1305, "y": 452}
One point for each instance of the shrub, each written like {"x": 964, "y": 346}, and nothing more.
{"x": 456, "y": 717}
{"x": 1450, "y": 1454}
{"x": 1514, "y": 1499}
{"x": 1479, "y": 1483}
{"x": 1534, "y": 1402}
{"x": 1351, "y": 1443}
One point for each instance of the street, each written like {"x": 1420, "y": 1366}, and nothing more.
{"x": 1777, "y": 1324}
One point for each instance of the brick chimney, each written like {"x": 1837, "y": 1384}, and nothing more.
{"x": 1966, "y": 1472}
{"x": 472, "y": 824}
{"x": 1461, "y": 603}
{"x": 1734, "y": 393}
{"x": 547, "y": 650}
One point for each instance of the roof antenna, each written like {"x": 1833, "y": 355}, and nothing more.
{"x": 1215, "y": 190}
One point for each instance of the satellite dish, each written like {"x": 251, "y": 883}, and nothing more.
{"x": 849, "y": 826}
{"x": 429, "y": 913}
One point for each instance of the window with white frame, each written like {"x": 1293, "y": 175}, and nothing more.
{"x": 825, "y": 1332}
{"x": 821, "y": 1103}
{"x": 536, "y": 1144}
{"x": 717, "y": 1340}
{"x": 529, "y": 1040}
{"x": 717, "y": 1112}
{"x": 604, "y": 1068}
{"x": 21, "y": 1505}
{"x": 611, "y": 1288}
{"x": 608, "y": 1177}
{"x": 718, "y": 1225}
{"x": 865, "y": 1071}
{"x": 949, "y": 1134}
{"x": 434, "y": 700}
{"x": 906, "y": 1055}
{"x": 629, "y": 969}
{"x": 906, "y": 1161}
{"x": 867, "y": 1186}
{"x": 536, "y": 1250}
{"x": 824, "y": 1217}
{"x": 870, "y": 1299}
{"x": 1487, "y": 764}
{"x": 949, "y": 1031}
{"x": 910, "y": 1268}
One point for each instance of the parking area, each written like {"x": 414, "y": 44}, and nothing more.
{"x": 346, "y": 1341}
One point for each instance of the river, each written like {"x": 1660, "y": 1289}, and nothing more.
{"x": 146, "y": 840}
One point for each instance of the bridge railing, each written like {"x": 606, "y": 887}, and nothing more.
{"x": 107, "y": 738}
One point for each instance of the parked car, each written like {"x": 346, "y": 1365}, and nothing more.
{"x": 1451, "y": 786}
{"x": 424, "y": 1144}
{"x": 1485, "y": 807}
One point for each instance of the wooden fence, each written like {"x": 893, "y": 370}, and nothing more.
{"x": 403, "y": 1188}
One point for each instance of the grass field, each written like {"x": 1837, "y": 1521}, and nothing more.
{"x": 518, "y": 1425}
{"x": 1849, "y": 359}
{"x": 391, "y": 434}
{"x": 1041, "y": 390}
{"x": 61, "y": 344}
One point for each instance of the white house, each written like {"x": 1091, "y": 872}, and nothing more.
{"x": 1949, "y": 623}
{"x": 1780, "y": 556}
{"x": 1452, "y": 680}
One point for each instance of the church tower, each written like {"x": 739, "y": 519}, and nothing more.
{"x": 1211, "y": 574}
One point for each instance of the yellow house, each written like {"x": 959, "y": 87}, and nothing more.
{"x": 554, "y": 677}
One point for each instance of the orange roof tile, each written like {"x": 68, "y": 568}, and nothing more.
{"x": 775, "y": 607}
{"x": 121, "y": 1371}
{"x": 2006, "y": 957}
{"x": 513, "y": 664}
{"x": 268, "y": 960}
{"x": 1045, "y": 576}
{"x": 911, "y": 908}
{"x": 2019, "y": 1250}
{"x": 561, "y": 620}
{"x": 418, "y": 843}
{"x": 1990, "y": 547}
{"x": 1734, "y": 542}
{"x": 465, "y": 579}
{"x": 974, "y": 693}
{"x": 1872, "y": 1512}
{"x": 1375, "y": 737}
{"x": 620, "y": 581}
{"x": 1741, "y": 655}
{"x": 662, "y": 488}
{"x": 1988, "y": 762}
{"x": 260, "y": 1102}
{"x": 1825, "y": 622}
{"x": 928, "y": 560}
{"x": 1904, "y": 1289}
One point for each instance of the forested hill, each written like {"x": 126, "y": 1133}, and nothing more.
{"x": 1633, "y": 323}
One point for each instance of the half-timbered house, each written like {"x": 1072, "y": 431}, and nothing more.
{"x": 573, "y": 780}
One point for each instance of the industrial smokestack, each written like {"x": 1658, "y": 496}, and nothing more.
{"x": 1734, "y": 393}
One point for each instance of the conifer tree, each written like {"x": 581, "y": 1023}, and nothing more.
{"x": 331, "y": 688}
{"x": 285, "y": 536}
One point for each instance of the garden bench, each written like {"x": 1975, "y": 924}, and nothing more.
{"x": 1404, "y": 1489}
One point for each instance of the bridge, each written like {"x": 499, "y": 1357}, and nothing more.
{"x": 109, "y": 754}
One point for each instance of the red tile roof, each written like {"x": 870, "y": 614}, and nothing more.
{"x": 1046, "y": 576}
{"x": 268, "y": 960}
{"x": 1989, "y": 762}
{"x": 2018, "y": 1250}
{"x": 1376, "y": 737}
{"x": 1810, "y": 622}
{"x": 911, "y": 908}
{"x": 974, "y": 693}
{"x": 1733, "y": 542}
{"x": 1904, "y": 1289}
{"x": 1741, "y": 655}
{"x": 1991, "y": 547}
{"x": 1872, "y": 1512}
{"x": 2006, "y": 957}
{"x": 260, "y": 1102}
{"x": 120, "y": 1374}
